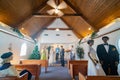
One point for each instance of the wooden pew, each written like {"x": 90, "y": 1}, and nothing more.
{"x": 33, "y": 68}
{"x": 79, "y": 66}
{"x": 82, "y": 77}
{"x": 103, "y": 78}
{"x": 75, "y": 62}
{"x": 76, "y": 68}
{"x": 22, "y": 77}
{"x": 43, "y": 63}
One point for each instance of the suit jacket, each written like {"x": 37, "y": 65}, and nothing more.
{"x": 110, "y": 57}
{"x": 62, "y": 52}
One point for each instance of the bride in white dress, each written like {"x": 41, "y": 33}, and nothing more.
{"x": 94, "y": 66}
{"x": 52, "y": 55}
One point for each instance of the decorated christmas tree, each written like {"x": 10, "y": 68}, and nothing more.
{"x": 35, "y": 54}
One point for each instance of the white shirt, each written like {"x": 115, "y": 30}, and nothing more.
{"x": 106, "y": 48}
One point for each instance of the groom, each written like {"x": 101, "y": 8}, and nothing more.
{"x": 108, "y": 56}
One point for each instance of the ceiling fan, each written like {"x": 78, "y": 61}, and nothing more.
{"x": 56, "y": 7}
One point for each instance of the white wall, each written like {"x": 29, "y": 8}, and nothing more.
{"x": 6, "y": 39}
{"x": 62, "y": 39}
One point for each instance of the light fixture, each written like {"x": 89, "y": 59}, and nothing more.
{"x": 56, "y": 7}
{"x": 57, "y": 29}
{"x": 89, "y": 28}
{"x": 56, "y": 11}
{"x": 22, "y": 28}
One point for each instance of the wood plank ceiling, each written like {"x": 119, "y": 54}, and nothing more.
{"x": 79, "y": 15}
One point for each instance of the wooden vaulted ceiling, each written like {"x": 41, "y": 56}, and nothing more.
{"x": 79, "y": 15}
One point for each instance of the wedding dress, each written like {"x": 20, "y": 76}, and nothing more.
{"x": 52, "y": 56}
{"x": 94, "y": 69}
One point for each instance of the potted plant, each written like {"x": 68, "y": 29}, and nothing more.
{"x": 80, "y": 50}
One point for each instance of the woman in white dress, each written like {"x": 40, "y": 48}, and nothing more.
{"x": 93, "y": 63}
{"x": 52, "y": 56}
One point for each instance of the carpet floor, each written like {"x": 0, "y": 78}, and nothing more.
{"x": 55, "y": 73}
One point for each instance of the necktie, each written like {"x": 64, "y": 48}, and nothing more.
{"x": 106, "y": 44}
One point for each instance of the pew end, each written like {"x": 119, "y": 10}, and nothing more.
{"x": 76, "y": 66}
{"x": 33, "y": 68}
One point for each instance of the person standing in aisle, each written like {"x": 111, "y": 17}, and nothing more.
{"x": 62, "y": 56}
{"x": 57, "y": 51}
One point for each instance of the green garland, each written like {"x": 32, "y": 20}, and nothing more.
{"x": 93, "y": 35}
{"x": 18, "y": 32}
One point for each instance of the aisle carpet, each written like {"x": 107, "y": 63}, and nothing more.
{"x": 55, "y": 73}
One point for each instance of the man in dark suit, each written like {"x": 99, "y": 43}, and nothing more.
{"x": 108, "y": 56}
{"x": 62, "y": 56}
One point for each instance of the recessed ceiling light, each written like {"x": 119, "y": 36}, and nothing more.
{"x": 89, "y": 28}
{"x": 22, "y": 28}
{"x": 57, "y": 29}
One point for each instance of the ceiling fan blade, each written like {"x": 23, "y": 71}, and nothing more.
{"x": 52, "y": 3}
{"x": 50, "y": 12}
{"x": 62, "y": 5}
{"x": 60, "y": 13}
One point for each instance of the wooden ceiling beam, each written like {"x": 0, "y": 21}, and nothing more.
{"x": 57, "y": 28}
{"x": 36, "y": 10}
{"x": 82, "y": 15}
{"x": 47, "y": 15}
{"x": 76, "y": 33}
{"x": 41, "y": 30}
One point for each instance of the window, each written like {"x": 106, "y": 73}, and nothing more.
{"x": 57, "y": 34}
{"x": 69, "y": 35}
{"x": 23, "y": 49}
{"x": 45, "y": 34}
